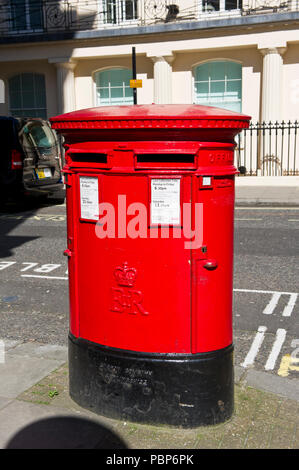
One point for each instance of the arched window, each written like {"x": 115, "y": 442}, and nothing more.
{"x": 219, "y": 83}
{"x": 27, "y": 95}
{"x": 113, "y": 87}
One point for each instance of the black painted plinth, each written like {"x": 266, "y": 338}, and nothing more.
{"x": 184, "y": 390}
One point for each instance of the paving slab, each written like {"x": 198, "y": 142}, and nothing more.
{"x": 28, "y": 426}
{"x": 9, "y": 343}
{"x": 4, "y": 402}
{"x": 18, "y": 373}
{"x": 271, "y": 383}
{"x": 267, "y": 190}
{"x": 39, "y": 350}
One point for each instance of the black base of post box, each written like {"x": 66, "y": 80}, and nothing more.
{"x": 184, "y": 390}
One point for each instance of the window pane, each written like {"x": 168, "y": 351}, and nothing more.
{"x": 211, "y": 5}
{"x": 116, "y": 93}
{"x": 40, "y": 94}
{"x": 131, "y": 9}
{"x": 28, "y": 99}
{"x": 217, "y": 92}
{"x": 103, "y": 93}
{"x": 18, "y": 14}
{"x": 110, "y": 11}
{"x": 233, "y": 4}
{"x": 15, "y": 99}
{"x": 113, "y": 87}
{"x": 232, "y": 106}
{"x": 217, "y": 70}
{"x": 15, "y": 83}
{"x": 129, "y": 93}
{"x": 202, "y": 91}
{"x": 27, "y": 82}
{"x": 103, "y": 78}
{"x": 202, "y": 73}
{"x": 121, "y": 76}
{"x": 233, "y": 70}
{"x": 27, "y": 95}
{"x": 225, "y": 85}
{"x": 35, "y": 14}
{"x": 234, "y": 89}
{"x": 41, "y": 135}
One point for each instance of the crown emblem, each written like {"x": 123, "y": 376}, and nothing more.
{"x": 125, "y": 276}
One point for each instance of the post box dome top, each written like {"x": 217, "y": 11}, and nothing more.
{"x": 151, "y": 116}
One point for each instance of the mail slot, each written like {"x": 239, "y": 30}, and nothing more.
{"x": 150, "y": 203}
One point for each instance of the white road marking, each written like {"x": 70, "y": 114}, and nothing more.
{"x": 272, "y": 304}
{"x": 266, "y": 208}
{"x": 30, "y": 265}
{"x": 256, "y": 344}
{"x": 280, "y": 338}
{"x": 46, "y": 217}
{"x": 291, "y": 304}
{"x": 264, "y": 291}
{"x": 287, "y": 312}
{"x": 47, "y": 268}
{"x": 6, "y": 264}
{"x": 293, "y": 220}
{"x": 44, "y": 277}
{"x": 236, "y": 218}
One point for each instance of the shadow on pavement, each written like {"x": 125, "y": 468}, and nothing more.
{"x": 66, "y": 433}
{"x": 13, "y": 214}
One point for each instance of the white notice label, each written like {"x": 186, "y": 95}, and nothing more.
{"x": 165, "y": 201}
{"x": 89, "y": 197}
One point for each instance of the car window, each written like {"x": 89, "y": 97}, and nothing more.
{"x": 40, "y": 135}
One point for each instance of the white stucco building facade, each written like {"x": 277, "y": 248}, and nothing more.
{"x": 243, "y": 57}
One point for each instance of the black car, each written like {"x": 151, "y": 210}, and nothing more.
{"x": 30, "y": 159}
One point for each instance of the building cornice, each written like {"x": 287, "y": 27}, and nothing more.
{"x": 176, "y": 27}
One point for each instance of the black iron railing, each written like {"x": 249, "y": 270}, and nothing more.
{"x": 269, "y": 149}
{"x": 35, "y": 16}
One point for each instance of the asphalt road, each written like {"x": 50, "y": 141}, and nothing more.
{"x": 34, "y": 288}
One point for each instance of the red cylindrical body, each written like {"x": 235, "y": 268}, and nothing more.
{"x": 150, "y": 205}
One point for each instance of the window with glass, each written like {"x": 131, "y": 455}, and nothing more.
{"x": 27, "y": 95}
{"x": 210, "y": 6}
{"x": 26, "y": 15}
{"x": 119, "y": 11}
{"x": 219, "y": 83}
{"x": 113, "y": 87}
{"x": 40, "y": 135}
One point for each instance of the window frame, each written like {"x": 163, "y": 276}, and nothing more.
{"x": 194, "y": 101}
{"x": 103, "y": 14}
{"x": 23, "y": 109}
{"x": 95, "y": 88}
{"x": 28, "y": 26}
{"x": 221, "y": 12}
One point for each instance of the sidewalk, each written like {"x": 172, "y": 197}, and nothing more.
{"x": 267, "y": 190}
{"x": 37, "y": 412}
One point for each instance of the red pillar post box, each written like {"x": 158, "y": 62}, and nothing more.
{"x": 150, "y": 205}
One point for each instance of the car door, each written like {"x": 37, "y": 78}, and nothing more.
{"x": 41, "y": 148}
